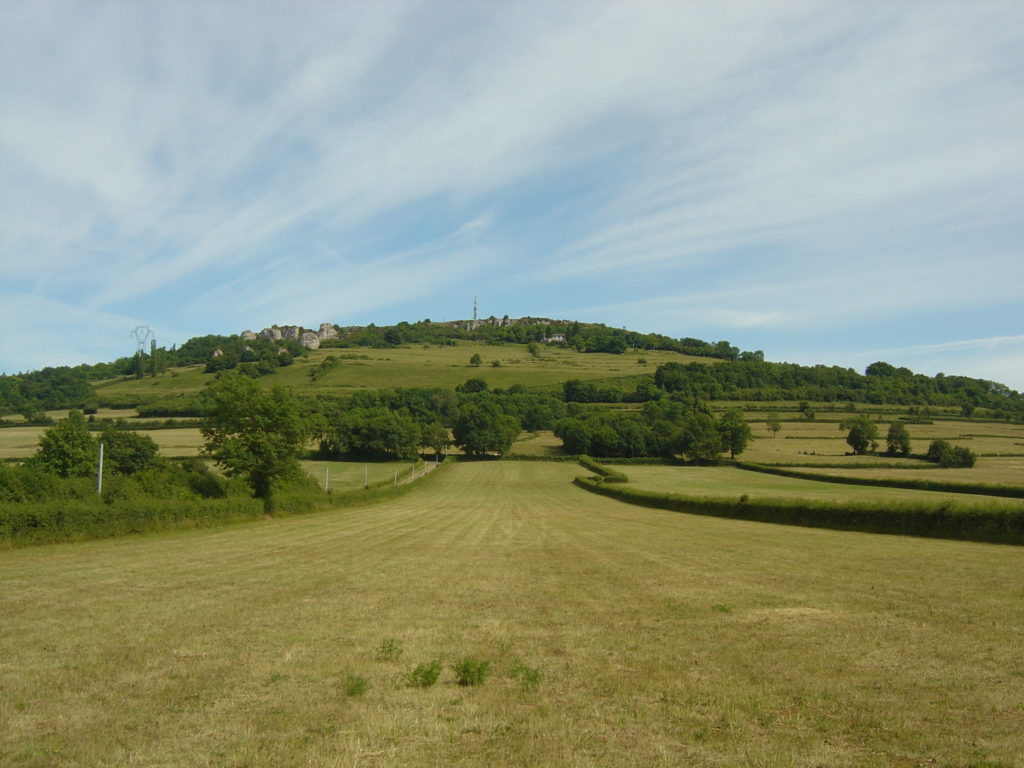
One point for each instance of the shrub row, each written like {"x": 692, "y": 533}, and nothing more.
{"x": 849, "y": 464}
{"x": 77, "y": 515}
{"x": 997, "y": 525}
{"x": 605, "y": 474}
{"x": 944, "y": 486}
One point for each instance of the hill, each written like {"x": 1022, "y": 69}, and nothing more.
{"x": 536, "y": 354}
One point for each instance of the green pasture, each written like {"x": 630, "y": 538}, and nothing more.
{"x": 994, "y": 471}
{"x": 417, "y": 366}
{"x": 350, "y": 475}
{"x": 616, "y": 635}
{"x": 542, "y": 443}
{"x": 730, "y": 482}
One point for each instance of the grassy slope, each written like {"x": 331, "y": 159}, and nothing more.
{"x": 414, "y": 366}
{"x": 663, "y": 639}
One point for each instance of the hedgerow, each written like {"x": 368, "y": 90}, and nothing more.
{"x": 945, "y": 520}
{"x": 605, "y": 474}
{"x": 944, "y": 486}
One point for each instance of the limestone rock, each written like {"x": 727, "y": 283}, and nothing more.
{"x": 309, "y": 340}
{"x": 271, "y": 334}
{"x": 327, "y": 331}
{"x": 247, "y": 335}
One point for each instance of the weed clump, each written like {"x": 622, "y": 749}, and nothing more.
{"x": 355, "y": 685}
{"x": 470, "y": 671}
{"x": 389, "y": 650}
{"x": 424, "y": 675}
{"x": 529, "y": 677}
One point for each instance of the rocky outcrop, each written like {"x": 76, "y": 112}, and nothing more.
{"x": 309, "y": 340}
{"x": 271, "y": 334}
{"x": 247, "y": 336}
{"x": 291, "y": 332}
{"x": 327, "y": 331}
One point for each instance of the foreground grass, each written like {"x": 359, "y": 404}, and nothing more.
{"x": 652, "y": 638}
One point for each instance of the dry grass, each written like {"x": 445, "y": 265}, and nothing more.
{"x": 821, "y": 441}
{"x": 661, "y": 639}
{"x": 19, "y": 442}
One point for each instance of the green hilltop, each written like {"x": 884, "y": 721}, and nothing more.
{"x": 582, "y": 362}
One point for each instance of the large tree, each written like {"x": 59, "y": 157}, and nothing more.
{"x": 699, "y": 439}
{"x": 734, "y": 431}
{"x": 863, "y": 434}
{"x": 67, "y": 449}
{"x": 255, "y": 433}
{"x": 482, "y": 428}
{"x": 898, "y": 439}
{"x": 126, "y": 452}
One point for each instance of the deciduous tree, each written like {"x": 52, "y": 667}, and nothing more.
{"x": 863, "y": 435}
{"x": 734, "y": 432}
{"x": 482, "y": 428}
{"x": 255, "y": 433}
{"x": 897, "y": 440}
{"x": 67, "y": 449}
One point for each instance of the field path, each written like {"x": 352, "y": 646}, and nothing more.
{"x": 617, "y": 635}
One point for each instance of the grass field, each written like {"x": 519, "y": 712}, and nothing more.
{"x": 998, "y": 471}
{"x": 729, "y": 482}
{"x": 617, "y": 636}
{"x": 416, "y": 366}
{"x": 349, "y": 475}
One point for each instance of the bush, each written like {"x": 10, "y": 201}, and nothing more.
{"x": 471, "y": 672}
{"x": 946, "y": 455}
{"x": 424, "y": 675}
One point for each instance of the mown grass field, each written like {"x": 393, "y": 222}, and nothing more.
{"x": 730, "y": 482}
{"x": 992, "y": 470}
{"x": 657, "y": 638}
{"x": 350, "y": 475}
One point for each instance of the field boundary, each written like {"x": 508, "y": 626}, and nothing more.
{"x": 943, "y": 486}
{"x": 939, "y": 521}
{"x": 63, "y": 521}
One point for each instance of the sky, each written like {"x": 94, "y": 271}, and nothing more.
{"x": 830, "y": 182}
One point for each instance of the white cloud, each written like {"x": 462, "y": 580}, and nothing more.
{"x": 760, "y": 166}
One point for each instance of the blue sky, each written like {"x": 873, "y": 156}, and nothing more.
{"x": 834, "y": 182}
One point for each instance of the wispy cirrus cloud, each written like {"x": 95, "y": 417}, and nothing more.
{"x": 759, "y": 167}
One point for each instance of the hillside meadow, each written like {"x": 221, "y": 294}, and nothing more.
{"x": 616, "y": 636}
{"x": 418, "y": 366}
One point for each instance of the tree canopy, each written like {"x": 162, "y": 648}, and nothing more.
{"x": 67, "y": 449}
{"x": 255, "y": 433}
